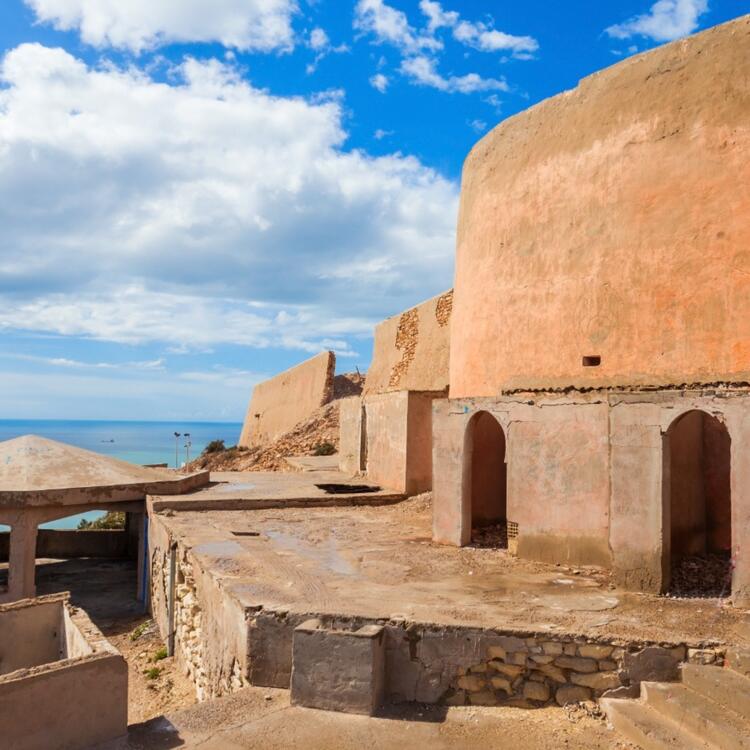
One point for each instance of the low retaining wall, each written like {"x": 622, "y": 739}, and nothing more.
{"x": 225, "y": 646}
{"x": 73, "y": 692}
{"x": 67, "y": 543}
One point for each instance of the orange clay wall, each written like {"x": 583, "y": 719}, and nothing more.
{"x": 612, "y": 221}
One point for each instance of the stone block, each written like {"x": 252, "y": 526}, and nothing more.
{"x": 496, "y": 652}
{"x": 553, "y": 672}
{"x": 572, "y": 694}
{"x": 607, "y": 665}
{"x": 338, "y": 670}
{"x": 576, "y": 663}
{"x": 517, "y": 658}
{"x": 500, "y": 683}
{"x": 536, "y": 691}
{"x": 483, "y": 698}
{"x": 472, "y": 683}
{"x": 598, "y": 681}
{"x": 542, "y": 658}
{"x": 552, "y": 647}
{"x": 594, "y": 651}
{"x": 652, "y": 664}
{"x": 511, "y": 670}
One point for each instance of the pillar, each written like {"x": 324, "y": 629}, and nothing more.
{"x": 22, "y": 560}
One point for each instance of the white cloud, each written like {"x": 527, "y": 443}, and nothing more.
{"x": 437, "y": 18}
{"x": 261, "y": 25}
{"x": 422, "y": 70}
{"x": 420, "y": 49}
{"x": 204, "y": 212}
{"x": 319, "y": 39}
{"x": 152, "y": 364}
{"x": 486, "y": 39}
{"x": 380, "y": 82}
{"x": 666, "y": 20}
{"x": 478, "y": 125}
{"x": 389, "y": 25}
{"x": 379, "y": 134}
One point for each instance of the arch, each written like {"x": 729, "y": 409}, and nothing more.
{"x": 697, "y": 505}
{"x": 485, "y": 480}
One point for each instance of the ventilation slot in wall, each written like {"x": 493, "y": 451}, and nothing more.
{"x": 592, "y": 360}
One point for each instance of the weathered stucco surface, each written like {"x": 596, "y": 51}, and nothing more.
{"x": 411, "y": 350}
{"x": 69, "y": 686}
{"x": 588, "y": 478}
{"x": 280, "y": 403}
{"x": 613, "y": 221}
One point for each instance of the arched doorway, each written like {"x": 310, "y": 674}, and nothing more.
{"x": 698, "y": 535}
{"x": 486, "y": 485}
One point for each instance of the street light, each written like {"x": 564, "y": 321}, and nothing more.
{"x": 177, "y": 450}
{"x": 188, "y": 445}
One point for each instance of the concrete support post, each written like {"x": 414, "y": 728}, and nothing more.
{"x": 22, "y": 560}
{"x": 141, "y": 520}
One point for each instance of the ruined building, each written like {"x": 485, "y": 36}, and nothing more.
{"x": 599, "y": 397}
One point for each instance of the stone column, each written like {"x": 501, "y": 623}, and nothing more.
{"x": 22, "y": 559}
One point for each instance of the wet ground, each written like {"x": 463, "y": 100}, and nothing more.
{"x": 380, "y": 562}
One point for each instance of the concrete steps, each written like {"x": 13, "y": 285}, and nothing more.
{"x": 708, "y": 710}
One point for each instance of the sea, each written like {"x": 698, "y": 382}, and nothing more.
{"x": 137, "y": 442}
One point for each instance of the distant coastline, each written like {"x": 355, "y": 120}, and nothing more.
{"x": 140, "y": 442}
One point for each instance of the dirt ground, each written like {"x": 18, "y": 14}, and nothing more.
{"x": 106, "y": 590}
{"x": 263, "y": 718}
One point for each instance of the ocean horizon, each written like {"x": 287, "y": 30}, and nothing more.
{"x": 137, "y": 441}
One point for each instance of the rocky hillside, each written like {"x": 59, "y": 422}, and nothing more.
{"x": 318, "y": 432}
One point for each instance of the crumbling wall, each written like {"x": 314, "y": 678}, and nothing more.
{"x": 453, "y": 665}
{"x": 612, "y": 221}
{"x": 411, "y": 350}
{"x": 280, "y": 403}
{"x": 210, "y": 625}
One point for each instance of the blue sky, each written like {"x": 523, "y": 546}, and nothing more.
{"x": 197, "y": 194}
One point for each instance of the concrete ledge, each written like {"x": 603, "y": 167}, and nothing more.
{"x": 338, "y": 670}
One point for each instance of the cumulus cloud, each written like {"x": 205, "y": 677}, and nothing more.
{"x": 420, "y": 49}
{"x": 423, "y": 71}
{"x": 666, "y": 20}
{"x": 261, "y": 25}
{"x": 486, "y": 39}
{"x": 390, "y": 25}
{"x": 380, "y": 82}
{"x": 203, "y": 212}
{"x": 437, "y": 18}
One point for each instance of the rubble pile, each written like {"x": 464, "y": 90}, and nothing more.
{"x": 707, "y": 575}
{"x": 321, "y": 428}
{"x": 495, "y": 535}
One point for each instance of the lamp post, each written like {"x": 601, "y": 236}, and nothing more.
{"x": 177, "y": 450}
{"x": 188, "y": 445}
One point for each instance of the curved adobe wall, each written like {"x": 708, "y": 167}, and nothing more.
{"x": 612, "y": 220}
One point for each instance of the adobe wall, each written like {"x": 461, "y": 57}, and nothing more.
{"x": 390, "y": 434}
{"x": 29, "y": 634}
{"x": 280, "y": 403}
{"x": 411, "y": 350}
{"x": 613, "y": 221}
{"x": 588, "y": 477}
{"x": 71, "y": 694}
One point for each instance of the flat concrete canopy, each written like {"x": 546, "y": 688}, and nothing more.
{"x": 35, "y": 471}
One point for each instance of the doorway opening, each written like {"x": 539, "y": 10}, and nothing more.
{"x": 698, "y": 537}
{"x": 487, "y": 485}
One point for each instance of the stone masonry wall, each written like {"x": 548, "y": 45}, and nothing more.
{"x": 532, "y": 672}
{"x": 210, "y": 627}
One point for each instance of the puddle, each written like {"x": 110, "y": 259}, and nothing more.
{"x": 326, "y": 554}
{"x": 218, "y": 549}
{"x": 348, "y": 489}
